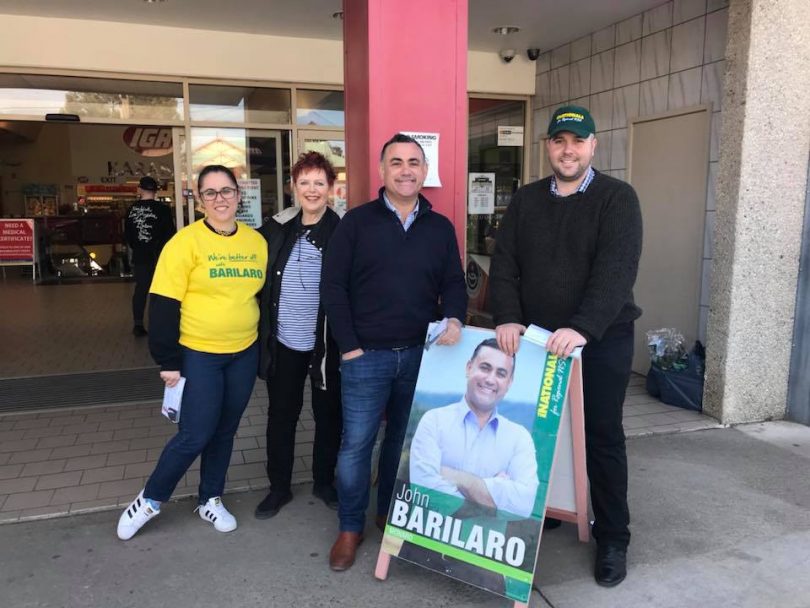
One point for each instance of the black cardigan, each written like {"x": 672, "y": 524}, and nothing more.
{"x": 280, "y": 240}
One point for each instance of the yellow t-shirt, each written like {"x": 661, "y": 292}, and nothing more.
{"x": 215, "y": 278}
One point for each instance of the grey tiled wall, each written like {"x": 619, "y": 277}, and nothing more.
{"x": 666, "y": 58}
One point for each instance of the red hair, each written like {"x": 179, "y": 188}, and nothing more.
{"x": 312, "y": 161}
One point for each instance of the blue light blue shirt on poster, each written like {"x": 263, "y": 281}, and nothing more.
{"x": 501, "y": 453}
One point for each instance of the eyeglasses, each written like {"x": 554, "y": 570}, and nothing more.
{"x": 210, "y": 195}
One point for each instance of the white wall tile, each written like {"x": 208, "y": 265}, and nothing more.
{"x": 708, "y": 235}
{"x": 582, "y": 101}
{"x": 618, "y": 149}
{"x": 706, "y": 283}
{"x": 713, "y": 5}
{"x": 601, "y": 159}
{"x": 655, "y": 54}
{"x": 684, "y": 89}
{"x": 714, "y": 140}
{"x": 711, "y": 190}
{"x": 716, "y": 25}
{"x": 580, "y": 78}
{"x": 559, "y": 82}
{"x": 580, "y": 49}
{"x": 540, "y": 118}
{"x": 687, "y": 44}
{"x": 544, "y": 62}
{"x": 542, "y": 89}
{"x": 627, "y": 64}
{"x": 684, "y": 10}
{"x": 603, "y": 40}
{"x": 625, "y": 105}
{"x": 657, "y": 19}
{"x": 601, "y": 107}
{"x": 561, "y": 56}
{"x": 628, "y": 30}
{"x": 653, "y": 96}
{"x": 711, "y": 91}
{"x": 602, "y": 71}
{"x": 703, "y": 323}
{"x": 619, "y": 174}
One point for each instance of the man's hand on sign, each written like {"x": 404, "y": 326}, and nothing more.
{"x": 508, "y": 336}
{"x": 452, "y": 334}
{"x": 563, "y": 342}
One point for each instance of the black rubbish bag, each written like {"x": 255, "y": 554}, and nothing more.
{"x": 680, "y": 387}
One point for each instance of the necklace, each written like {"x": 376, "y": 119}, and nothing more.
{"x": 221, "y": 232}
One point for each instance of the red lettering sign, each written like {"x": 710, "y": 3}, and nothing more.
{"x": 149, "y": 141}
{"x": 16, "y": 241}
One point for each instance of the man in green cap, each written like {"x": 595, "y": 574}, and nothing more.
{"x": 566, "y": 258}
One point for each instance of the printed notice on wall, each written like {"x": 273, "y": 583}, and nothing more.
{"x": 481, "y": 193}
{"x": 250, "y": 211}
{"x": 510, "y": 136}
{"x": 430, "y": 144}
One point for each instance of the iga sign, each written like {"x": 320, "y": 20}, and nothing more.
{"x": 149, "y": 141}
{"x": 16, "y": 241}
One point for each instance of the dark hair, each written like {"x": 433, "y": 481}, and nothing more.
{"x": 491, "y": 343}
{"x": 312, "y": 161}
{"x": 401, "y": 138}
{"x": 216, "y": 169}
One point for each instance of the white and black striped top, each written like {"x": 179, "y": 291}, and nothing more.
{"x": 300, "y": 296}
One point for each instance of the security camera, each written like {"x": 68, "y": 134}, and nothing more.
{"x": 533, "y": 54}
{"x": 507, "y": 55}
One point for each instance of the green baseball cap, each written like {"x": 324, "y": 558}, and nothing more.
{"x": 575, "y": 119}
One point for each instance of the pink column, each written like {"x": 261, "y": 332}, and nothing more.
{"x": 406, "y": 70}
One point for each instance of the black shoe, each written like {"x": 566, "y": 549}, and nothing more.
{"x": 327, "y": 493}
{"x": 611, "y": 565}
{"x": 551, "y": 523}
{"x": 139, "y": 331}
{"x": 272, "y": 504}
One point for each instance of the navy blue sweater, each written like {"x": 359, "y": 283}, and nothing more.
{"x": 381, "y": 285}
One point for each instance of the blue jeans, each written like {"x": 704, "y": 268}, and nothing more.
{"x": 216, "y": 394}
{"x": 376, "y": 383}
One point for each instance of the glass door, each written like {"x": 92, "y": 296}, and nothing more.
{"x": 332, "y": 144}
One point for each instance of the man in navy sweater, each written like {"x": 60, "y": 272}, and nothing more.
{"x": 566, "y": 258}
{"x": 393, "y": 266}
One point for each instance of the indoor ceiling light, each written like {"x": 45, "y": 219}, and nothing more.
{"x": 505, "y": 30}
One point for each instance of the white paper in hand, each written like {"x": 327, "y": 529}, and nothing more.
{"x": 540, "y": 336}
{"x": 173, "y": 400}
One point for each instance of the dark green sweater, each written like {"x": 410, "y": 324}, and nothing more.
{"x": 568, "y": 261}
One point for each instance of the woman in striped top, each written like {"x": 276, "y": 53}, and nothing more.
{"x": 295, "y": 339}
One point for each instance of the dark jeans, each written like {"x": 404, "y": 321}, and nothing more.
{"x": 217, "y": 391}
{"x": 143, "y": 274}
{"x": 286, "y": 392}
{"x": 376, "y": 383}
{"x": 606, "y": 366}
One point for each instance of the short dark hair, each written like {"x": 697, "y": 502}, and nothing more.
{"x": 401, "y": 138}
{"x": 491, "y": 343}
{"x": 216, "y": 169}
{"x": 312, "y": 161}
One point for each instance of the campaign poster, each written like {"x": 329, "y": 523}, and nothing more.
{"x": 473, "y": 481}
{"x": 250, "y": 209}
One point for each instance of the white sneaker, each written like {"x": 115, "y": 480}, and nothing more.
{"x": 215, "y": 512}
{"x": 135, "y": 516}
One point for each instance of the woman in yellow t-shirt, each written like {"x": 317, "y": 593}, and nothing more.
{"x": 203, "y": 325}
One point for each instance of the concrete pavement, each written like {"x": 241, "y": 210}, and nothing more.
{"x": 720, "y": 518}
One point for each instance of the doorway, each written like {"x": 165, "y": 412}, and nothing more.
{"x": 667, "y": 165}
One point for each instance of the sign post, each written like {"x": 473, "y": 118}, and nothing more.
{"x": 493, "y": 444}
{"x": 18, "y": 245}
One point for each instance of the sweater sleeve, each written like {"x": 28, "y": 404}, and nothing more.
{"x": 453, "y": 288}
{"x": 335, "y": 285}
{"x": 164, "y": 332}
{"x": 504, "y": 275}
{"x": 615, "y": 266}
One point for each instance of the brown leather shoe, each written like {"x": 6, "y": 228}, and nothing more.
{"x": 341, "y": 557}
{"x": 380, "y": 521}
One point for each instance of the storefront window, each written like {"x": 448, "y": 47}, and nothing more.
{"x": 319, "y": 108}
{"x": 209, "y": 103}
{"x": 90, "y": 98}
